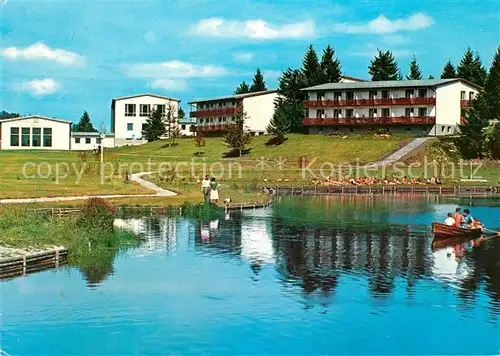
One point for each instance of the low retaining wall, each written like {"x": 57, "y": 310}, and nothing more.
{"x": 31, "y": 263}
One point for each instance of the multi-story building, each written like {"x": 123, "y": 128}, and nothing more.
{"x": 431, "y": 107}
{"x": 214, "y": 115}
{"x": 129, "y": 115}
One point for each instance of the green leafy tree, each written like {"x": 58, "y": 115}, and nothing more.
{"x": 258, "y": 83}
{"x": 199, "y": 142}
{"x": 154, "y": 127}
{"x": 330, "y": 66}
{"x": 493, "y": 137}
{"x": 237, "y": 136}
{"x": 171, "y": 123}
{"x": 84, "y": 125}
{"x": 472, "y": 134}
{"x": 311, "y": 68}
{"x": 448, "y": 71}
{"x": 279, "y": 125}
{"x": 243, "y": 88}
{"x": 414, "y": 72}
{"x": 384, "y": 67}
{"x": 471, "y": 68}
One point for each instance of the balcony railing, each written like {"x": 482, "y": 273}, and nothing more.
{"x": 215, "y": 112}
{"x": 211, "y": 128}
{"x": 466, "y": 103}
{"x": 384, "y": 120}
{"x": 369, "y": 102}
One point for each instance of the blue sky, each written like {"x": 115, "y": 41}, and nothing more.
{"x": 59, "y": 58}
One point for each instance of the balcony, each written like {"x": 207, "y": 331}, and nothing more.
{"x": 369, "y": 102}
{"x": 215, "y": 112}
{"x": 384, "y": 120}
{"x": 465, "y": 103}
{"x": 211, "y": 128}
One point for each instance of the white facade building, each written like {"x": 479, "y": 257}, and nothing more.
{"x": 129, "y": 115}
{"x": 35, "y": 133}
{"x": 214, "y": 115}
{"x": 187, "y": 127}
{"x": 431, "y": 107}
{"x": 87, "y": 141}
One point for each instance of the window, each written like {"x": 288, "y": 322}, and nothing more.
{"x": 372, "y": 94}
{"x": 144, "y": 126}
{"x": 372, "y": 112}
{"x": 98, "y": 140}
{"x": 130, "y": 127}
{"x": 409, "y": 93}
{"x": 220, "y": 119}
{"x": 385, "y": 112}
{"x": 233, "y": 119}
{"x": 211, "y": 119}
{"x": 88, "y": 140}
{"x": 442, "y": 128}
{"x": 385, "y": 94}
{"x": 183, "y": 127}
{"x": 220, "y": 104}
{"x": 337, "y": 95}
{"x": 130, "y": 110}
{"x": 145, "y": 110}
{"x": 337, "y": 129}
{"x": 320, "y": 113}
{"x": 471, "y": 95}
{"x": 462, "y": 95}
{"x": 422, "y": 93}
{"x": 25, "y": 137}
{"x": 350, "y": 95}
{"x": 422, "y": 111}
{"x": 321, "y": 96}
{"x": 77, "y": 139}
{"x": 337, "y": 113}
{"x": 47, "y": 137}
{"x": 161, "y": 108}
{"x": 409, "y": 111}
{"x": 320, "y": 130}
{"x": 14, "y": 136}
{"x": 36, "y": 139}
{"x": 349, "y": 112}
{"x": 449, "y": 128}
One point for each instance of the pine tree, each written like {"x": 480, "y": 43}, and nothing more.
{"x": 448, "y": 71}
{"x": 431, "y": 76}
{"x": 311, "y": 68}
{"x": 465, "y": 68}
{"x": 330, "y": 66}
{"x": 237, "y": 135}
{"x": 384, "y": 67}
{"x": 414, "y": 73}
{"x": 84, "y": 125}
{"x": 494, "y": 141}
{"x": 472, "y": 134}
{"x": 292, "y": 98}
{"x": 279, "y": 125}
{"x": 243, "y": 88}
{"x": 492, "y": 88}
{"x": 154, "y": 127}
{"x": 479, "y": 72}
{"x": 258, "y": 82}
{"x": 181, "y": 115}
{"x": 8, "y": 115}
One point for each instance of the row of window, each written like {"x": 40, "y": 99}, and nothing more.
{"x": 220, "y": 104}
{"x": 214, "y": 119}
{"x": 31, "y": 137}
{"x": 373, "y": 94}
{"x": 422, "y": 129}
{"x": 384, "y": 112}
{"x": 130, "y": 127}
{"x": 463, "y": 95}
{"x": 144, "y": 109}
{"x": 88, "y": 140}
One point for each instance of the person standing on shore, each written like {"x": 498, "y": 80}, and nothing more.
{"x": 205, "y": 188}
{"x": 214, "y": 193}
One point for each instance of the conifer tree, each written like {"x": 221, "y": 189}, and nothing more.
{"x": 330, "y": 66}
{"x": 414, "y": 72}
{"x": 448, "y": 71}
{"x": 472, "y": 134}
{"x": 279, "y": 125}
{"x": 84, "y": 125}
{"x": 492, "y": 88}
{"x": 243, "y": 88}
{"x": 154, "y": 127}
{"x": 471, "y": 68}
{"x": 431, "y": 76}
{"x": 237, "y": 135}
{"x": 384, "y": 67}
{"x": 311, "y": 68}
{"x": 258, "y": 82}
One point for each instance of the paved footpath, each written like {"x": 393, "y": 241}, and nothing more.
{"x": 159, "y": 192}
{"x": 396, "y": 156}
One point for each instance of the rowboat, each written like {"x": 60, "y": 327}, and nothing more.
{"x": 443, "y": 230}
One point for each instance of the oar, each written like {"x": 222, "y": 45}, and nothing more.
{"x": 496, "y": 232}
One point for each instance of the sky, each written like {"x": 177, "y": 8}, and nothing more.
{"x": 59, "y": 58}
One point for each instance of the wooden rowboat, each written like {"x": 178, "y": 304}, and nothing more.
{"x": 443, "y": 230}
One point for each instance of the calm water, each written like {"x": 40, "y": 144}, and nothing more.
{"x": 337, "y": 275}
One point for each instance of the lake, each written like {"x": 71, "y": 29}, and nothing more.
{"x": 325, "y": 275}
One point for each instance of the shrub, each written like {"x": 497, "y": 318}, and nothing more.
{"x": 96, "y": 214}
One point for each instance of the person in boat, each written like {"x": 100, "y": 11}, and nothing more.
{"x": 469, "y": 221}
{"x": 459, "y": 219}
{"x": 449, "y": 220}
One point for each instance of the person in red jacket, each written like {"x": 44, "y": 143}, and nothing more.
{"x": 459, "y": 219}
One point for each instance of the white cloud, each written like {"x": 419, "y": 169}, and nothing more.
{"x": 173, "y": 69}
{"x": 382, "y": 24}
{"x": 169, "y": 84}
{"x": 255, "y": 29}
{"x": 271, "y": 74}
{"x": 38, "y": 87}
{"x": 243, "y": 56}
{"x": 41, "y": 52}
{"x": 371, "y": 51}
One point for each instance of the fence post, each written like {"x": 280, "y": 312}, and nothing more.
{"x": 24, "y": 265}
{"x": 57, "y": 257}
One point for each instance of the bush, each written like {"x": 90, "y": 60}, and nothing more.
{"x": 96, "y": 214}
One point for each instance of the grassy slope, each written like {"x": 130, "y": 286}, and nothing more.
{"x": 325, "y": 149}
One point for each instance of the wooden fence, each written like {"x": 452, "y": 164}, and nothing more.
{"x": 36, "y": 262}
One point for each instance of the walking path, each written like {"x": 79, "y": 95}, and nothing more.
{"x": 159, "y": 192}
{"x": 396, "y": 156}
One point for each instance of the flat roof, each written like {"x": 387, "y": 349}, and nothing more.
{"x": 36, "y": 117}
{"x": 234, "y": 96}
{"x": 383, "y": 84}
{"x": 145, "y": 94}
{"x": 91, "y": 134}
